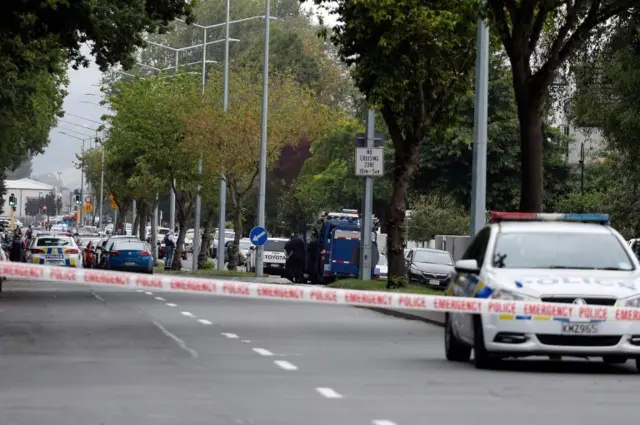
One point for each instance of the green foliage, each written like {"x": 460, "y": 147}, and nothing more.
{"x": 437, "y": 215}
{"x": 23, "y": 171}
{"x": 35, "y": 206}
{"x": 539, "y": 36}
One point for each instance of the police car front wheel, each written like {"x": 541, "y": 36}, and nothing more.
{"x": 483, "y": 359}
{"x": 455, "y": 350}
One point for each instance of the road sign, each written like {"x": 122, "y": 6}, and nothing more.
{"x": 378, "y": 140}
{"x": 370, "y": 162}
{"x": 258, "y": 236}
{"x": 88, "y": 208}
{"x": 114, "y": 205}
{"x": 87, "y": 199}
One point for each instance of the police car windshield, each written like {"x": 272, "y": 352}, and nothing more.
{"x": 544, "y": 250}
{"x": 432, "y": 257}
{"x": 53, "y": 242}
{"x": 277, "y": 246}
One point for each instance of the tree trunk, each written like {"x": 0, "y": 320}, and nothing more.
{"x": 236, "y": 217}
{"x": 136, "y": 223}
{"x": 144, "y": 217}
{"x": 531, "y": 156}
{"x": 406, "y": 163}
{"x": 203, "y": 255}
{"x": 177, "y": 254}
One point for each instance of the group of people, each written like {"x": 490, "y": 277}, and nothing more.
{"x": 15, "y": 242}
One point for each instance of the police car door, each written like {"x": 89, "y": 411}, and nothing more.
{"x": 467, "y": 284}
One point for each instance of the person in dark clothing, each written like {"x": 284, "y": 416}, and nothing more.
{"x": 17, "y": 247}
{"x": 295, "y": 250}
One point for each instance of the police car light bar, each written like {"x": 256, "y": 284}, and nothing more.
{"x": 497, "y": 217}
{"x": 345, "y": 211}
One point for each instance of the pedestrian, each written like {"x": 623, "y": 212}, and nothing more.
{"x": 295, "y": 252}
{"x": 17, "y": 246}
{"x": 170, "y": 246}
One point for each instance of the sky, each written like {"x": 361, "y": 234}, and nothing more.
{"x": 82, "y": 117}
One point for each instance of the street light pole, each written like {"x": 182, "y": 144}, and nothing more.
{"x": 263, "y": 137}
{"x": 101, "y": 188}
{"x": 222, "y": 205}
{"x": 479, "y": 167}
{"x": 80, "y": 214}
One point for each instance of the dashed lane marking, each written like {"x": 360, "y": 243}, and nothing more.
{"x": 328, "y": 392}
{"x": 205, "y": 322}
{"x": 186, "y": 313}
{"x": 285, "y": 365}
{"x": 263, "y": 352}
{"x": 382, "y": 422}
{"x": 172, "y": 305}
{"x": 230, "y": 336}
{"x": 160, "y": 299}
{"x": 149, "y": 293}
{"x": 139, "y": 290}
{"x": 246, "y": 341}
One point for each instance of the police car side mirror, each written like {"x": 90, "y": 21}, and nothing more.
{"x": 467, "y": 266}
{"x": 252, "y": 248}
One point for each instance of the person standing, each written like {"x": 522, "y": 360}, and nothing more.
{"x": 170, "y": 246}
{"x": 294, "y": 250}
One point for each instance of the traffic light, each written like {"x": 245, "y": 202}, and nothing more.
{"x": 77, "y": 200}
{"x": 12, "y": 200}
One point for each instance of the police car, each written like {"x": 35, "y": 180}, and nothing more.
{"x": 54, "y": 250}
{"x": 556, "y": 258}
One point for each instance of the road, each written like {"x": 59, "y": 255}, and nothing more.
{"x": 73, "y": 355}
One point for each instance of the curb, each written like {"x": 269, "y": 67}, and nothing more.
{"x": 430, "y": 317}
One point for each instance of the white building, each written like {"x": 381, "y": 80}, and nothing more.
{"x": 24, "y": 189}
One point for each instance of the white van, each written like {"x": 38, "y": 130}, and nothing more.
{"x": 273, "y": 257}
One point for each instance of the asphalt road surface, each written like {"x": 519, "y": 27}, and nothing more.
{"x": 75, "y": 356}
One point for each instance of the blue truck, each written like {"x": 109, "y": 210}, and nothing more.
{"x": 333, "y": 247}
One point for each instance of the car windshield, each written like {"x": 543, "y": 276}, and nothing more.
{"x": 432, "y": 257}
{"x": 382, "y": 260}
{"x": 276, "y": 246}
{"x": 163, "y": 231}
{"x": 545, "y": 250}
{"x": 129, "y": 246}
{"x": 53, "y": 242}
{"x": 85, "y": 241}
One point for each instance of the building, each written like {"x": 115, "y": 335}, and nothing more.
{"x": 24, "y": 189}
{"x": 589, "y": 139}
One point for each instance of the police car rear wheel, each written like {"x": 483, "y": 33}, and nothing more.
{"x": 455, "y": 350}
{"x": 638, "y": 364}
{"x": 614, "y": 359}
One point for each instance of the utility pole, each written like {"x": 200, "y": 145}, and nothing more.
{"x": 101, "y": 188}
{"x": 479, "y": 170}
{"x": 80, "y": 212}
{"x": 262, "y": 195}
{"x": 366, "y": 223}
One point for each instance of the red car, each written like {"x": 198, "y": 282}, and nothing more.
{"x": 88, "y": 245}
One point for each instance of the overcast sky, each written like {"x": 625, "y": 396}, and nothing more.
{"x": 82, "y": 117}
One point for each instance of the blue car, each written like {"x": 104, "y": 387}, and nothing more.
{"x": 129, "y": 255}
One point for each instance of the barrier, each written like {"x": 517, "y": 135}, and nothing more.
{"x": 312, "y": 294}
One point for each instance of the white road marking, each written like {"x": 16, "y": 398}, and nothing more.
{"x": 246, "y": 341}
{"x": 205, "y": 322}
{"x": 186, "y": 313}
{"x": 230, "y": 336}
{"x": 172, "y": 305}
{"x": 180, "y": 342}
{"x": 263, "y": 352}
{"x": 99, "y": 298}
{"x": 382, "y": 422}
{"x": 139, "y": 290}
{"x": 149, "y": 293}
{"x": 285, "y": 365}
{"x": 160, "y": 299}
{"x": 328, "y": 392}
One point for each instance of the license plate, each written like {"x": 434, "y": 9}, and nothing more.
{"x": 55, "y": 262}
{"x": 54, "y": 257}
{"x": 434, "y": 282}
{"x": 569, "y": 328}
{"x": 275, "y": 265}
{"x": 130, "y": 263}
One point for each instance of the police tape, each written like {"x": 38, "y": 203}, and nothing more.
{"x": 314, "y": 294}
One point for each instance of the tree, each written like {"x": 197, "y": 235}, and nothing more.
{"x": 445, "y": 164}
{"x": 437, "y": 215}
{"x": 49, "y": 204}
{"x": 412, "y": 59}
{"x": 539, "y": 36}
{"x": 146, "y": 142}
{"x": 235, "y": 134}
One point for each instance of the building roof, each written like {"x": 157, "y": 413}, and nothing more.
{"x": 27, "y": 184}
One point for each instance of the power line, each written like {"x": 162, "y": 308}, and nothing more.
{"x": 77, "y": 125}
{"x": 77, "y": 132}
{"x": 83, "y": 118}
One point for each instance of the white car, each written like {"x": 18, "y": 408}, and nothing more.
{"x": 383, "y": 266}
{"x": 54, "y": 250}
{"x": 273, "y": 257}
{"x": 571, "y": 259}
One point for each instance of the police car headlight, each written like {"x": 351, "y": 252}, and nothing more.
{"x": 631, "y": 302}
{"x": 502, "y": 294}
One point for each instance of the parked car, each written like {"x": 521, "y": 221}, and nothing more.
{"x": 431, "y": 267}
{"x": 130, "y": 255}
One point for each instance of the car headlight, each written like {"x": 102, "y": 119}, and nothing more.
{"x": 503, "y": 294}
{"x": 630, "y": 302}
